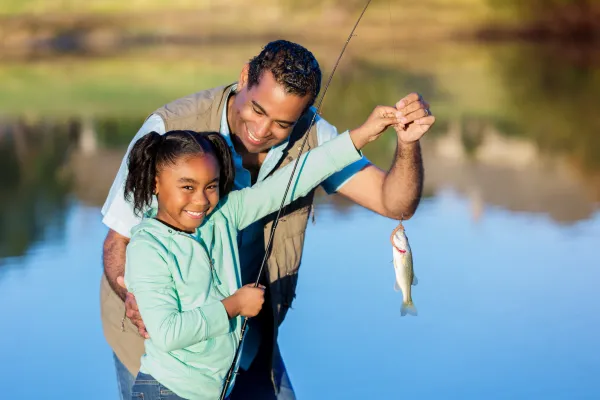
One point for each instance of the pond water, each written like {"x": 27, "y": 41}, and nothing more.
{"x": 505, "y": 240}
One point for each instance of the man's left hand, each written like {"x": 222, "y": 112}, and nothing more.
{"x": 416, "y": 118}
{"x": 132, "y": 311}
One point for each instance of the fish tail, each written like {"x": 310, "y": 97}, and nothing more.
{"x": 408, "y": 308}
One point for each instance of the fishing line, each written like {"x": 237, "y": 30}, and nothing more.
{"x": 392, "y": 34}
{"x": 276, "y": 221}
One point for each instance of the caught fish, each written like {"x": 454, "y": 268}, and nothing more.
{"x": 403, "y": 266}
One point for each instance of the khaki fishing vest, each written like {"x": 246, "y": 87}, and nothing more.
{"x": 202, "y": 111}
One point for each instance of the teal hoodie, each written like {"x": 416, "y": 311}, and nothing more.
{"x": 179, "y": 279}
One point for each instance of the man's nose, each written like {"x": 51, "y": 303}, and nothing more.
{"x": 262, "y": 128}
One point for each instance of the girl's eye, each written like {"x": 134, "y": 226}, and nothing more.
{"x": 212, "y": 187}
{"x": 284, "y": 126}
{"x": 188, "y": 188}
{"x": 257, "y": 111}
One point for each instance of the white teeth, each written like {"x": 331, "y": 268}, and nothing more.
{"x": 195, "y": 214}
{"x": 253, "y": 137}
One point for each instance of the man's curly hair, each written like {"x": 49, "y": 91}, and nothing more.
{"x": 293, "y": 66}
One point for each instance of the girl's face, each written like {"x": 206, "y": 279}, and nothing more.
{"x": 188, "y": 191}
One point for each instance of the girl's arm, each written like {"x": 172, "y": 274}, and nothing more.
{"x": 251, "y": 204}
{"x": 148, "y": 277}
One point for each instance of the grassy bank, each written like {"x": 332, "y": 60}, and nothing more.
{"x": 116, "y": 87}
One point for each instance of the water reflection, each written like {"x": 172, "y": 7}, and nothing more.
{"x": 535, "y": 150}
{"x": 35, "y": 183}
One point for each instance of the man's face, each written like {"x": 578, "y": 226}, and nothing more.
{"x": 263, "y": 116}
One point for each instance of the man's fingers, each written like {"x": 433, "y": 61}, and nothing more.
{"x": 133, "y": 314}
{"x": 413, "y": 107}
{"x": 406, "y": 100}
{"x": 142, "y": 331}
{"x": 426, "y": 121}
{"x": 418, "y": 114}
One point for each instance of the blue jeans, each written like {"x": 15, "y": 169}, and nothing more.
{"x": 146, "y": 387}
{"x": 124, "y": 379}
{"x": 252, "y": 384}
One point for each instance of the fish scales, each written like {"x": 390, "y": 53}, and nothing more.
{"x": 403, "y": 268}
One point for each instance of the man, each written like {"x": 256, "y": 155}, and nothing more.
{"x": 264, "y": 117}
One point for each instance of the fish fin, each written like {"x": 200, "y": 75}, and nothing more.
{"x": 415, "y": 281}
{"x": 408, "y": 308}
{"x": 396, "y": 287}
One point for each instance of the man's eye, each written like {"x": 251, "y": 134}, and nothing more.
{"x": 284, "y": 126}
{"x": 256, "y": 110}
{"x": 188, "y": 187}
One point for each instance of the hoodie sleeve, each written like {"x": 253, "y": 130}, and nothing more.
{"x": 251, "y": 204}
{"x": 148, "y": 277}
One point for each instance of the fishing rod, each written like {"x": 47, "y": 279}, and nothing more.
{"x": 272, "y": 234}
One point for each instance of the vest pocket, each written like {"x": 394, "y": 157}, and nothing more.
{"x": 291, "y": 224}
{"x": 284, "y": 264}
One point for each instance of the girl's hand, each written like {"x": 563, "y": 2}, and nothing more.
{"x": 410, "y": 118}
{"x": 380, "y": 119}
{"x": 246, "y": 301}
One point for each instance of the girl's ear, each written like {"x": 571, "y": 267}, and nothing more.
{"x": 155, "y": 186}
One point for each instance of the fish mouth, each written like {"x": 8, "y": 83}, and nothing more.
{"x": 400, "y": 227}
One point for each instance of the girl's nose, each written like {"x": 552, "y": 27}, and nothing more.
{"x": 200, "y": 199}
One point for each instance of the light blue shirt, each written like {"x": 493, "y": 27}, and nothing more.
{"x": 118, "y": 214}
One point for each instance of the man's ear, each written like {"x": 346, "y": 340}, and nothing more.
{"x": 243, "y": 82}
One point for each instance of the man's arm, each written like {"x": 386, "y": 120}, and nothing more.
{"x": 395, "y": 194}
{"x": 113, "y": 257}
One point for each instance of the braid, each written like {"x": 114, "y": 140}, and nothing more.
{"x": 141, "y": 178}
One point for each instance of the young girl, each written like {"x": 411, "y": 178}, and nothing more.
{"x": 182, "y": 263}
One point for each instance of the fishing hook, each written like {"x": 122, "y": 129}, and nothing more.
{"x": 399, "y": 227}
